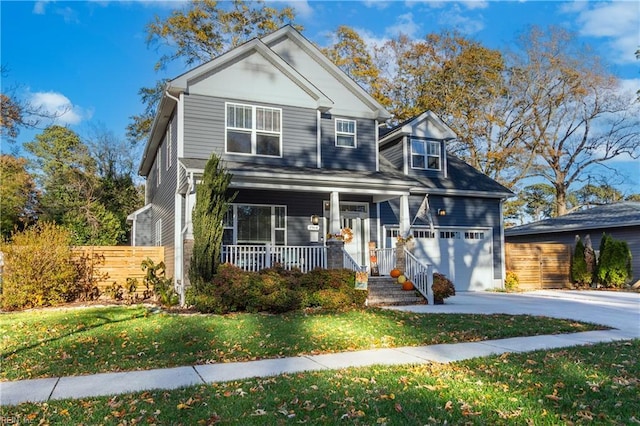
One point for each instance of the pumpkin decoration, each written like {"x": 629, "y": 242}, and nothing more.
{"x": 373, "y": 259}
{"x": 395, "y": 273}
{"x": 407, "y": 285}
{"x": 402, "y": 279}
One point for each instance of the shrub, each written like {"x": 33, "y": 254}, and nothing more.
{"x": 614, "y": 264}
{"x": 275, "y": 290}
{"x": 579, "y": 271}
{"x": 158, "y": 284}
{"x": 511, "y": 282}
{"x": 331, "y": 289}
{"x": 271, "y": 292}
{"x": 442, "y": 286}
{"x": 88, "y": 275}
{"x": 38, "y": 268}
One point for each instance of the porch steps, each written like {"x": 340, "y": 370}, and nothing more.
{"x": 386, "y": 291}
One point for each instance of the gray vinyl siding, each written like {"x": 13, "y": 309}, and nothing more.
{"x": 300, "y": 207}
{"x": 461, "y": 211}
{"x": 629, "y": 234}
{"x": 394, "y": 154}
{"x": 204, "y": 133}
{"x": 362, "y": 157}
{"x": 144, "y": 228}
{"x": 163, "y": 199}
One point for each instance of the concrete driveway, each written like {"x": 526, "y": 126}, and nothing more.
{"x": 620, "y": 310}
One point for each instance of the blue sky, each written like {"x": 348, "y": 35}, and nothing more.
{"x": 92, "y": 58}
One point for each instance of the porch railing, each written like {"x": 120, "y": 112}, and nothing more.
{"x": 420, "y": 274}
{"x": 350, "y": 263}
{"x": 386, "y": 259}
{"x": 258, "y": 257}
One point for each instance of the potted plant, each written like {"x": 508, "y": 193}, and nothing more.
{"x": 442, "y": 288}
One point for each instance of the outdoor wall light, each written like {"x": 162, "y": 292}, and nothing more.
{"x": 315, "y": 219}
{"x": 442, "y": 212}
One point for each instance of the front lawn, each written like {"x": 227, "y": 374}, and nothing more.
{"x": 596, "y": 384}
{"x": 50, "y": 343}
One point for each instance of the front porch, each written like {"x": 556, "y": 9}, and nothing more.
{"x": 332, "y": 255}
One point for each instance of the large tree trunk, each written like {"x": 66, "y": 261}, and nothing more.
{"x": 561, "y": 199}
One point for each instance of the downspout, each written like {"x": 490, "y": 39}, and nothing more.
{"x": 318, "y": 139}
{"x": 376, "y": 139}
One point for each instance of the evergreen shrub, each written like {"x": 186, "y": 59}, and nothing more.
{"x": 579, "y": 271}
{"x": 614, "y": 263}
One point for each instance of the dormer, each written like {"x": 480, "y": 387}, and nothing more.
{"x": 418, "y": 146}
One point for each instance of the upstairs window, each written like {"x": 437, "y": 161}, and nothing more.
{"x": 254, "y": 130}
{"x": 346, "y": 133}
{"x": 425, "y": 155}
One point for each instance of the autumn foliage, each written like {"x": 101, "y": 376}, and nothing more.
{"x": 276, "y": 290}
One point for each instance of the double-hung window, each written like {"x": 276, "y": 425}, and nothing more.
{"x": 253, "y": 130}
{"x": 345, "y": 133}
{"x": 425, "y": 154}
{"x": 255, "y": 224}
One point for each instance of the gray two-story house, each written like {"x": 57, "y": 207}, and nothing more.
{"x": 310, "y": 155}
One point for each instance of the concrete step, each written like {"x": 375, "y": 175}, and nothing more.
{"x": 386, "y": 291}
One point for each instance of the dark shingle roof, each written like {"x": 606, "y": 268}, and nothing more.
{"x": 460, "y": 177}
{"x": 607, "y": 216}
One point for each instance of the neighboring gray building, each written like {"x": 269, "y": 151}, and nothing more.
{"x": 303, "y": 143}
{"x": 620, "y": 220}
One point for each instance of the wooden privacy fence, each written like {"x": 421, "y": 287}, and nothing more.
{"x": 114, "y": 264}
{"x": 540, "y": 265}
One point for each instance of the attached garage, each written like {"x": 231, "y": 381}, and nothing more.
{"x": 464, "y": 255}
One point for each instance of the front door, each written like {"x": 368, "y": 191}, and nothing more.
{"x": 356, "y": 217}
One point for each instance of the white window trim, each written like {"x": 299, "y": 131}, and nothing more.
{"x": 354, "y": 134}
{"x": 234, "y": 209}
{"x": 253, "y": 130}
{"x": 169, "y": 143}
{"x": 159, "y": 167}
{"x": 426, "y": 154}
{"x": 158, "y": 233}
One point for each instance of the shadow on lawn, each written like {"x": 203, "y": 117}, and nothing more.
{"x": 76, "y": 331}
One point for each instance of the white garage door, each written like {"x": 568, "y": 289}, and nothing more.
{"x": 464, "y": 255}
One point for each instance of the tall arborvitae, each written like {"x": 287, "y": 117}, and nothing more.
{"x": 614, "y": 262}
{"x": 579, "y": 273}
{"x": 212, "y": 201}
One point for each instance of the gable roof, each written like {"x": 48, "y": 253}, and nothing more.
{"x": 615, "y": 215}
{"x": 207, "y": 69}
{"x": 289, "y": 32}
{"x": 263, "y": 47}
{"x": 408, "y": 127}
{"x": 462, "y": 179}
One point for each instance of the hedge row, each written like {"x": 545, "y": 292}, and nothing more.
{"x": 275, "y": 290}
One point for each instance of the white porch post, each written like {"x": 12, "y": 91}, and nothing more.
{"x": 334, "y": 213}
{"x": 405, "y": 220}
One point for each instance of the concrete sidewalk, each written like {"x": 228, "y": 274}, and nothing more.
{"x": 618, "y": 310}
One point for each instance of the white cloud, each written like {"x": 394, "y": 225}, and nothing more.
{"x": 617, "y": 22}
{"x": 475, "y": 4}
{"x": 454, "y": 17}
{"x": 39, "y": 7}
{"x": 404, "y": 25}
{"x": 302, "y": 8}
{"x": 57, "y": 105}
{"x": 630, "y": 85}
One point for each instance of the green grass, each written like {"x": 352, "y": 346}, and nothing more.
{"x": 50, "y": 343}
{"x": 596, "y": 384}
